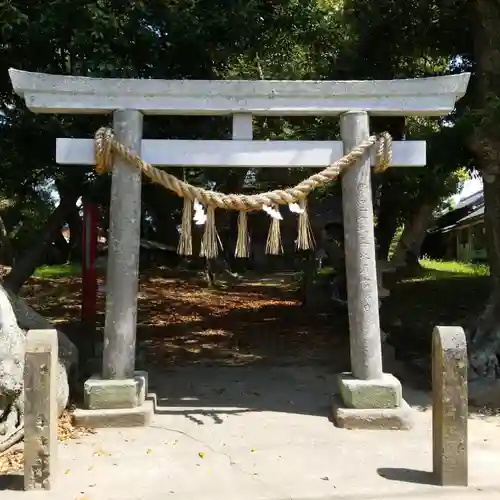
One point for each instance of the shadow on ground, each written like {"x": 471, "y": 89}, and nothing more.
{"x": 12, "y": 481}
{"x": 407, "y": 475}
{"x": 201, "y": 392}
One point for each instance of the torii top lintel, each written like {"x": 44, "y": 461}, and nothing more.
{"x": 46, "y": 93}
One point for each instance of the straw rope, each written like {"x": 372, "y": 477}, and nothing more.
{"x": 106, "y": 146}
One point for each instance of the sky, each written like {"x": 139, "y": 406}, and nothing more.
{"x": 471, "y": 186}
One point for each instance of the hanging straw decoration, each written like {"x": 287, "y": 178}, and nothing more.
{"x": 185, "y": 246}
{"x": 209, "y": 243}
{"x": 273, "y": 244}
{"x": 305, "y": 236}
{"x": 243, "y": 241}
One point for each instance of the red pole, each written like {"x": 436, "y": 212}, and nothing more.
{"x": 89, "y": 275}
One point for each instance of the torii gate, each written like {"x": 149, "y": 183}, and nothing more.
{"x": 368, "y": 396}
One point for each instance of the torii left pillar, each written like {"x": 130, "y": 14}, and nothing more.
{"x": 117, "y": 397}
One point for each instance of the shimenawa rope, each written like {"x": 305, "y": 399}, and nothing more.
{"x": 106, "y": 146}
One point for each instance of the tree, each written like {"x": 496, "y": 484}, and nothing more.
{"x": 227, "y": 40}
{"x": 423, "y": 41}
{"x": 485, "y": 142}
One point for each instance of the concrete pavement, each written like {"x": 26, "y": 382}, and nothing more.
{"x": 262, "y": 434}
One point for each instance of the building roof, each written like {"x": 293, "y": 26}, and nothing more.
{"x": 464, "y": 221}
{"x": 464, "y": 212}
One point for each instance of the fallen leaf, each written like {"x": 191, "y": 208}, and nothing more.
{"x": 101, "y": 453}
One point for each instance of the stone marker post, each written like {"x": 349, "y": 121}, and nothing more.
{"x": 449, "y": 406}
{"x": 123, "y": 256}
{"x": 41, "y": 415}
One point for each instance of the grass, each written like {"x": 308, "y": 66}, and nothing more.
{"x": 58, "y": 271}
{"x": 433, "y": 270}
{"x": 439, "y": 269}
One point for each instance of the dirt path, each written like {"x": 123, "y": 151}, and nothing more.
{"x": 181, "y": 321}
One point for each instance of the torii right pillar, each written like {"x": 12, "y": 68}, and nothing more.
{"x": 368, "y": 397}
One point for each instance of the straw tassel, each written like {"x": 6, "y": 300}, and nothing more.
{"x": 185, "y": 246}
{"x": 209, "y": 242}
{"x": 273, "y": 244}
{"x": 305, "y": 235}
{"x": 243, "y": 241}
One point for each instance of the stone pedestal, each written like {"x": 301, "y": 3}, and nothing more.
{"x": 366, "y": 398}
{"x": 371, "y": 404}
{"x": 116, "y": 403}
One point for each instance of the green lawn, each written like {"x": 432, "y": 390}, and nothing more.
{"x": 438, "y": 269}
{"x": 59, "y": 271}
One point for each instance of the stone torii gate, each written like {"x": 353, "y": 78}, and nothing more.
{"x": 368, "y": 396}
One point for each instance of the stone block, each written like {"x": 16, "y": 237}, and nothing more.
{"x": 372, "y": 418}
{"x": 40, "y": 406}
{"x": 101, "y": 394}
{"x": 385, "y": 392}
{"x": 139, "y": 416}
{"x": 450, "y": 409}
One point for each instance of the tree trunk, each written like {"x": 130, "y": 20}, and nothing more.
{"x": 409, "y": 245}
{"x": 387, "y": 216}
{"x": 484, "y": 337}
{"x": 75, "y": 236}
{"x": 161, "y": 205}
{"x": 27, "y": 263}
{"x": 386, "y": 228}
{"x": 61, "y": 251}
{"x": 6, "y": 251}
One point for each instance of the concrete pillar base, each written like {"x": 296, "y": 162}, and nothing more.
{"x": 116, "y": 403}
{"x": 371, "y": 404}
{"x": 140, "y": 416}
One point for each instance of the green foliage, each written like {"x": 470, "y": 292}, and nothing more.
{"x": 202, "y": 39}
